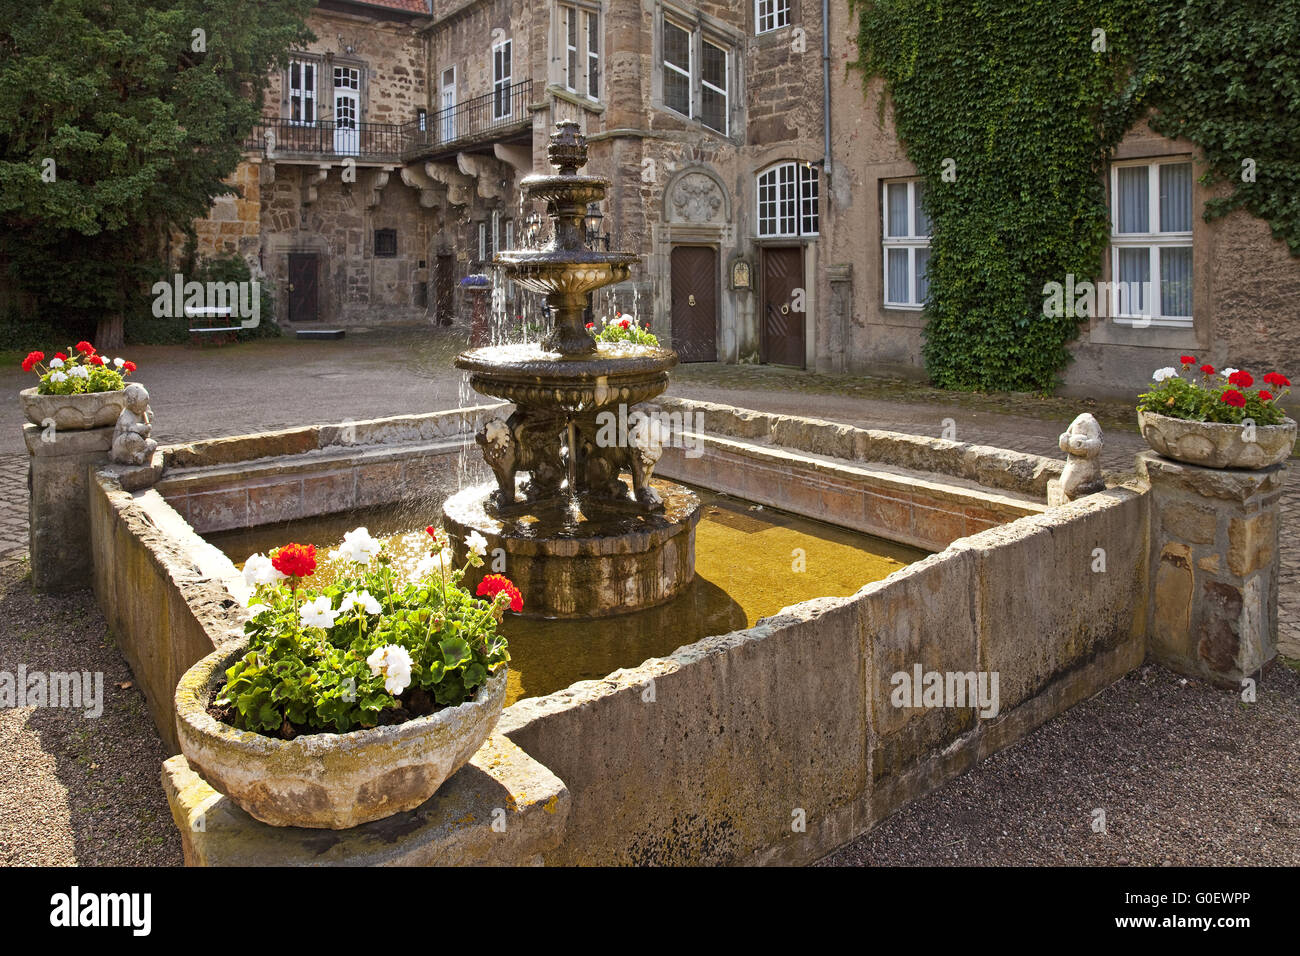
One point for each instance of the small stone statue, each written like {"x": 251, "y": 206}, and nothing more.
{"x": 131, "y": 442}
{"x": 1082, "y": 475}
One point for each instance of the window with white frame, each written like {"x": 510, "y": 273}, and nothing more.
{"x": 302, "y": 92}
{"x": 1151, "y": 242}
{"x": 501, "y": 70}
{"x": 697, "y": 70}
{"x": 482, "y": 241}
{"x": 788, "y": 196}
{"x": 906, "y": 241}
{"x": 580, "y": 40}
{"x": 771, "y": 15}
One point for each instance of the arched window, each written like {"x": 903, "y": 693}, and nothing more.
{"x": 788, "y": 195}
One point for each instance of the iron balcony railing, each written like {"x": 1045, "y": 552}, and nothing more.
{"x": 502, "y": 111}
{"x": 483, "y": 117}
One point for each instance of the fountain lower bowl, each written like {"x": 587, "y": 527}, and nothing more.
{"x": 571, "y": 564}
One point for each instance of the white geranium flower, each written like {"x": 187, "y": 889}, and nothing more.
{"x": 1160, "y": 374}
{"x": 119, "y": 362}
{"x": 319, "y": 613}
{"x": 358, "y": 547}
{"x": 58, "y": 377}
{"x": 395, "y": 664}
{"x": 259, "y": 570}
{"x": 80, "y": 371}
{"x": 256, "y": 609}
{"x": 363, "y": 600}
{"x": 56, "y": 363}
{"x": 1228, "y": 372}
{"x": 476, "y": 543}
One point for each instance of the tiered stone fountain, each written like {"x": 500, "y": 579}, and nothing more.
{"x": 577, "y": 540}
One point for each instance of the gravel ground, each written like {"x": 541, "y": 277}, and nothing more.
{"x": 75, "y": 790}
{"x": 1187, "y": 775}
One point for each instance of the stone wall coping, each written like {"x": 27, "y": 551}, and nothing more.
{"x": 1228, "y": 484}
{"x": 67, "y": 441}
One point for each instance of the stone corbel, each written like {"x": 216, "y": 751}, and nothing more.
{"x": 520, "y": 157}
{"x": 311, "y": 181}
{"x": 488, "y": 174}
{"x": 416, "y": 178}
{"x": 377, "y": 183}
{"x": 460, "y": 188}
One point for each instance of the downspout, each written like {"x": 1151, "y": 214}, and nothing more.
{"x": 826, "y": 85}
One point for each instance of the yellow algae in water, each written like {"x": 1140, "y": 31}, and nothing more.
{"x": 750, "y": 562}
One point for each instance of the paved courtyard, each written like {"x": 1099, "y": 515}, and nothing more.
{"x": 199, "y": 393}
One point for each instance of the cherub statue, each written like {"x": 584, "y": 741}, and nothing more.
{"x": 1082, "y": 442}
{"x": 131, "y": 442}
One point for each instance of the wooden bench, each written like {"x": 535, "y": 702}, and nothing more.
{"x": 212, "y": 321}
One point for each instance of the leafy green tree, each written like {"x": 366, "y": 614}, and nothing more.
{"x": 118, "y": 124}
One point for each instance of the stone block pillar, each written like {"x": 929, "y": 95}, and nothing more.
{"x": 58, "y": 517}
{"x": 1214, "y": 567}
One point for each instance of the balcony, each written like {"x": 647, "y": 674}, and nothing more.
{"x": 492, "y": 117}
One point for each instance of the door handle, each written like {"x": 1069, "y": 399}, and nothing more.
{"x": 290, "y": 286}
{"x": 690, "y": 299}
{"x": 785, "y": 309}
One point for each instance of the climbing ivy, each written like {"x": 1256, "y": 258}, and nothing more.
{"x": 1010, "y": 112}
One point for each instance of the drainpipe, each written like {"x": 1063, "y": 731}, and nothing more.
{"x": 826, "y": 85}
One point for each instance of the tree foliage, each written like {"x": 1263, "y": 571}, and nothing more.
{"x": 118, "y": 124}
{"x": 1027, "y": 100}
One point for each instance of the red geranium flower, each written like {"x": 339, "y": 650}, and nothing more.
{"x": 591, "y": 325}
{"x": 85, "y": 348}
{"x": 1188, "y": 360}
{"x": 1276, "y": 378}
{"x": 1234, "y": 398}
{"x": 32, "y": 358}
{"x": 95, "y": 359}
{"x": 128, "y": 366}
{"x": 1207, "y": 369}
{"x": 1265, "y": 396}
{"x": 626, "y": 323}
{"x": 1242, "y": 379}
{"x": 494, "y": 584}
{"x": 60, "y": 356}
{"x": 295, "y": 560}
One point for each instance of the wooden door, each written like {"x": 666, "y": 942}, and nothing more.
{"x": 694, "y": 282}
{"x": 782, "y": 333}
{"x": 445, "y": 289}
{"x": 303, "y": 286}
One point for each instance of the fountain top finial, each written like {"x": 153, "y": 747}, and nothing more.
{"x": 567, "y": 151}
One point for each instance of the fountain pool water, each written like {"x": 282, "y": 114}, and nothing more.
{"x": 787, "y": 559}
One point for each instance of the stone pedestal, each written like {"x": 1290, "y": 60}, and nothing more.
{"x": 58, "y": 480}
{"x": 1214, "y": 567}
{"x": 502, "y": 808}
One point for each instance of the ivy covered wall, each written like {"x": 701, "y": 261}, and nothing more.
{"x": 1010, "y": 112}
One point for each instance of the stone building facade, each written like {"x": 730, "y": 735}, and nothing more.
{"x": 749, "y": 171}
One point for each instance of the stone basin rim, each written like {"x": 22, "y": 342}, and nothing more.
{"x": 502, "y": 363}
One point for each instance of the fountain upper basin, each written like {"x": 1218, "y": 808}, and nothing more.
{"x": 566, "y": 271}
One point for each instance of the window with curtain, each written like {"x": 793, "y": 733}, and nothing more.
{"x": 788, "y": 201}
{"x": 1151, "y": 242}
{"x": 906, "y": 242}
{"x": 697, "y": 75}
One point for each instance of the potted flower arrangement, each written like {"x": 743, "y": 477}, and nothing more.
{"x": 622, "y": 329}
{"x": 78, "y": 389}
{"x": 353, "y": 701}
{"x": 1218, "y": 418}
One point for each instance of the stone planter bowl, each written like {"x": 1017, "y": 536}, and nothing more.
{"x": 73, "y": 412}
{"x": 1215, "y": 445}
{"x": 328, "y": 781}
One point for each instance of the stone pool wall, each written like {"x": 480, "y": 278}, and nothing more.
{"x": 774, "y": 744}
{"x": 720, "y": 752}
